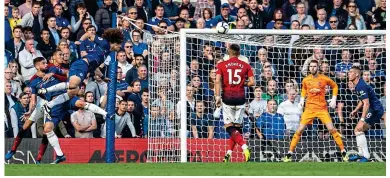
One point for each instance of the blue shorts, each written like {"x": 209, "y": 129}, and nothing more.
{"x": 374, "y": 116}
{"x": 78, "y": 68}
{"x": 58, "y": 112}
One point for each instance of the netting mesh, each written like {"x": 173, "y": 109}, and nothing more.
{"x": 280, "y": 62}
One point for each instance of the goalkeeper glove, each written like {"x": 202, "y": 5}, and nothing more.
{"x": 301, "y": 103}
{"x": 332, "y": 102}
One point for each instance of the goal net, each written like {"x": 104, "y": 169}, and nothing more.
{"x": 183, "y": 125}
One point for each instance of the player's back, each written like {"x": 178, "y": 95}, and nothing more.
{"x": 364, "y": 91}
{"x": 234, "y": 73}
{"x": 316, "y": 90}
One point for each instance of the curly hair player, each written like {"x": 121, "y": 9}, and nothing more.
{"x": 79, "y": 69}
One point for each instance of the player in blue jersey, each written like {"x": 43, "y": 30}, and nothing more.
{"x": 44, "y": 77}
{"x": 372, "y": 112}
{"x": 89, "y": 63}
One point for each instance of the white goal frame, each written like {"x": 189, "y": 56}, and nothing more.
{"x": 183, "y": 55}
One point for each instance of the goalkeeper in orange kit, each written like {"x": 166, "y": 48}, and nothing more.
{"x": 314, "y": 86}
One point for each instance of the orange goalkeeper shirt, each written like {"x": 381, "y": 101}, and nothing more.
{"x": 315, "y": 88}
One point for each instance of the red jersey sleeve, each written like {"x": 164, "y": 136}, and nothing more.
{"x": 250, "y": 71}
{"x": 219, "y": 69}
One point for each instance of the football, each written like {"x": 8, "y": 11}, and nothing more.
{"x": 222, "y": 27}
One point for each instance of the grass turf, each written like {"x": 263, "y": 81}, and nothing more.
{"x": 201, "y": 169}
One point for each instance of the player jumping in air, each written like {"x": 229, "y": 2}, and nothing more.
{"x": 44, "y": 77}
{"x": 372, "y": 113}
{"x": 79, "y": 69}
{"x": 233, "y": 73}
{"x": 314, "y": 87}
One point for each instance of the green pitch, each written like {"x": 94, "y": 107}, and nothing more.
{"x": 201, "y": 169}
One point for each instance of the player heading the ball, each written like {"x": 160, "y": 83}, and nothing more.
{"x": 231, "y": 78}
{"x": 314, "y": 87}
{"x": 371, "y": 114}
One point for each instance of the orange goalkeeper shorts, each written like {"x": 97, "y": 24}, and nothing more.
{"x": 309, "y": 116}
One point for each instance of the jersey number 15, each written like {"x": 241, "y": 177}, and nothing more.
{"x": 234, "y": 78}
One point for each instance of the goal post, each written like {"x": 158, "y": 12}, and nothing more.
{"x": 287, "y": 53}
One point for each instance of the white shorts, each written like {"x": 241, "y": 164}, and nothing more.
{"x": 232, "y": 114}
{"x": 38, "y": 111}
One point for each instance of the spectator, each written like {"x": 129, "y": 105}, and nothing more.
{"x": 122, "y": 63}
{"x": 122, "y": 87}
{"x": 194, "y": 67}
{"x": 204, "y": 4}
{"x": 143, "y": 110}
{"x": 207, "y": 15}
{"x": 86, "y": 23}
{"x": 201, "y": 24}
{"x": 186, "y": 4}
{"x": 225, "y": 15}
{"x": 84, "y": 122}
{"x": 128, "y": 46}
{"x": 354, "y": 17}
{"x": 373, "y": 68}
{"x": 89, "y": 98}
{"x": 159, "y": 17}
{"x": 241, "y": 12}
{"x": 258, "y": 105}
{"x": 341, "y": 14}
{"x": 16, "y": 18}
{"x": 132, "y": 74}
{"x": 66, "y": 61}
{"x": 25, "y": 8}
{"x": 202, "y": 124}
{"x": 33, "y": 19}
{"x": 17, "y": 117}
{"x": 135, "y": 96}
{"x": 190, "y": 104}
{"x": 179, "y": 24}
{"x": 278, "y": 25}
{"x": 278, "y": 16}
{"x": 46, "y": 44}
{"x": 139, "y": 48}
{"x": 369, "y": 53}
{"x": 351, "y": 27}
{"x": 247, "y": 22}
{"x": 158, "y": 124}
{"x": 271, "y": 124}
{"x": 257, "y": 66}
{"x": 79, "y": 20}
{"x": 60, "y": 20}
{"x": 132, "y": 13}
{"x": 171, "y": 10}
{"x": 318, "y": 55}
{"x": 65, "y": 33}
{"x": 16, "y": 88}
{"x": 143, "y": 76}
{"x": 334, "y": 23}
{"x": 7, "y": 25}
{"x": 52, "y": 26}
{"x": 366, "y": 7}
{"x": 88, "y": 45}
{"x": 103, "y": 15}
{"x": 184, "y": 15}
{"x": 289, "y": 9}
{"x": 15, "y": 44}
{"x": 267, "y": 74}
{"x": 272, "y": 92}
{"x": 27, "y": 90}
{"x": 302, "y": 17}
{"x": 291, "y": 112}
{"x": 15, "y": 72}
{"x": 166, "y": 105}
{"x": 26, "y": 57}
{"x": 268, "y": 8}
{"x": 290, "y": 84}
{"x": 198, "y": 88}
{"x": 379, "y": 15}
{"x": 255, "y": 15}
{"x": 325, "y": 69}
{"x": 321, "y": 23}
{"x": 343, "y": 67}
{"x": 10, "y": 100}
{"x": 142, "y": 10}
{"x": 122, "y": 118}
{"x": 136, "y": 118}
{"x": 97, "y": 87}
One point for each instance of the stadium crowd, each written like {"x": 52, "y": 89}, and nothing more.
{"x": 60, "y": 31}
